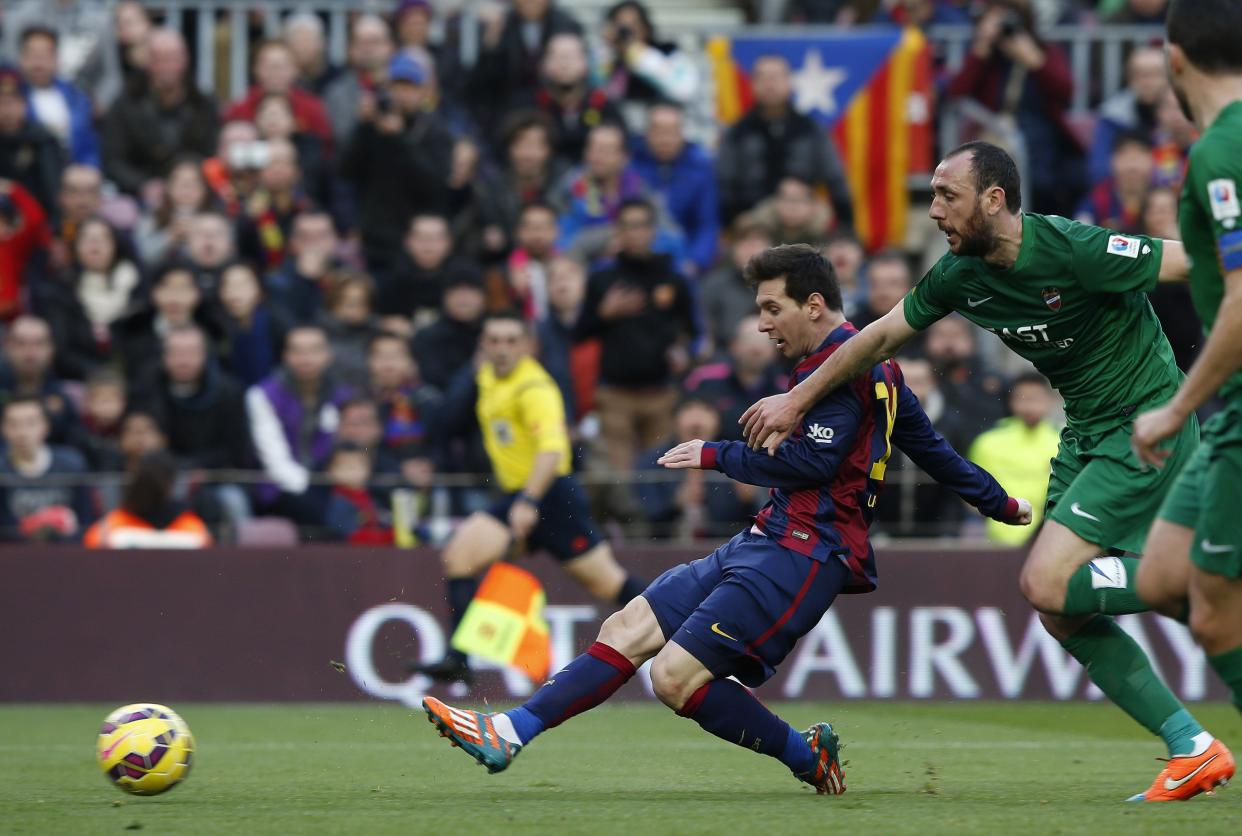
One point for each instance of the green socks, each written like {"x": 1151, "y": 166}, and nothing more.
{"x": 1228, "y": 667}
{"x": 1104, "y": 585}
{"x": 1116, "y": 664}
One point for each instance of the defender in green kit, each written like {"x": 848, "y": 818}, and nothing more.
{"x": 1070, "y": 298}
{"x": 1197, "y": 541}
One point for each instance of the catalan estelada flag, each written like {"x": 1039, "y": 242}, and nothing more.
{"x": 504, "y": 622}
{"x": 872, "y": 89}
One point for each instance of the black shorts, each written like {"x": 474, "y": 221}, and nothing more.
{"x": 565, "y": 528}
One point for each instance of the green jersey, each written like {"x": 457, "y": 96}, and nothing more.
{"x": 1210, "y": 218}
{"x": 1074, "y": 304}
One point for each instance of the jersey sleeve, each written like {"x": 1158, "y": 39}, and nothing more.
{"x": 543, "y": 414}
{"x": 1214, "y": 177}
{"x": 928, "y": 300}
{"x": 1108, "y": 262}
{"x": 810, "y": 460}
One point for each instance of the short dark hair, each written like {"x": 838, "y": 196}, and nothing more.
{"x": 1207, "y": 31}
{"x": 507, "y": 315}
{"x": 387, "y": 336}
{"x": 30, "y": 400}
{"x": 804, "y": 269}
{"x": 1132, "y": 137}
{"x": 541, "y": 205}
{"x": 521, "y": 121}
{"x": 1029, "y": 378}
{"x": 149, "y": 487}
{"x": 38, "y": 30}
{"x": 992, "y": 166}
{"x": 357, "y": 401}
{"x": 637, "y": 203}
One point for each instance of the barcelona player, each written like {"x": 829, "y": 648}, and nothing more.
{"x": 739, "y": 611}
{"x": 1071, "y": 299}
{"x": 522, "y": 417}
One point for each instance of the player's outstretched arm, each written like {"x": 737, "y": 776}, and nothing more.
{"x": 1220, "y": 358}
{"x": 914, "y": 434}
{"x": 1174, "y": 265}
{"x": 768, "y": 422}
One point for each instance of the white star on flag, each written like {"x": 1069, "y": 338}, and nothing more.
{"x": 815, "y": 85}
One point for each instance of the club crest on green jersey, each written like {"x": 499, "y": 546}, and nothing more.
{"x": 1052, "y": 298}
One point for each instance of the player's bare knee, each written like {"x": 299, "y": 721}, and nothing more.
{"x": 1211, "y": 629}
{"x": 670, "y": 687}
{"x": 1041, "y": 589}
{"x": 632, "y": 631}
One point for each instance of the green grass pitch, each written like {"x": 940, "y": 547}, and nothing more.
{"x": 370, "y": 769}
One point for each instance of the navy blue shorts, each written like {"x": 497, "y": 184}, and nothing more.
{"x": 565, "y": 528}
{"x": 740, "y": 610}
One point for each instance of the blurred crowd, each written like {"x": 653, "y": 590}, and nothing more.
{"x": 290, "y": 285}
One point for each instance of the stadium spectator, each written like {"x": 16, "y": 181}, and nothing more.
{"x": 682, "y": 174}
{"x": 87, "y": 54}
{"x": 950, "y": 345}
{"x": 591, "y": 197}
{"x": 475, "y": 227}
{"x": 209, "y": 248}
{"x": 845, "y": 253}
{"x": 350, "y": 323}
{"x": 1140, "y": 12}
{"x": 97, "y": 434}
{"x": 507, "y": 72}
{"x": 726, "y": 298}
{"x": 140, "y": 434}
{"x": 164, "y": 230}
{"x": 24, "y": 235}
{"x": 198, "y": 406}
{"x": 773, "y": 141}
{"x": 888, "y": 281}
{"x": 29, "y": 155}
{"x": 1117, "y": 201}
{"x": 254, "y": 329}
{"x": 795, "y": 215}
{"x": 1017, "y": 451}
{"x": 370, "y": 51}
{"x": 411, "y": 21}
{"x": 304, "y": 34}
{"x": 415, "y": 287}
{"x": 913, "y": 504}
{"x": 263, "y": 230}
{"x": 639, "y": 70}
{"x": 29, "y": 371}
{"x": 361, "y": 425}
{"x": 398, "y": 160}
{"x": 166, "y": 116}
{"x": 447, "y": 346}
{"x": 132, "y": 24}
{"x": 56, "y": 104}
{"x": 276, "y": 72}
{"x": 641, "y": 310}
{"x": 293, "y": 416}
{"x": 408, "y": 406}
{"x": 233, "y": 173}
{"x": 276, "y": 125}
{"x": 80, "y": 197}
{"x": 528, "y": 172}
{"x": 31, "y": 508}
{"x": 527, "y": 273}
{"x": 352, "y": 514}
{"x": 1027, "y": 83}
{"x": 922, "y": 13}
{"x": 692, "y": 504}
{"x": 176, "y": 301}
{"x": 83, "y": 304}
{"x": 750, "y": 372}
{"x": 568, "y": 99}
{"x": 1133, "y": 109}
{"x": 1173, "y": 137}
{"x": 149, "y": 517}
{"x": 573, "y": 365}
{"x": 296, "y": 288}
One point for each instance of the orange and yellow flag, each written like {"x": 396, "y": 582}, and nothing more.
{"x": 504, "y": 622}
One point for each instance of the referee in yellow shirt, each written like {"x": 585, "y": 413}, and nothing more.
{"x": 522, "y": 417}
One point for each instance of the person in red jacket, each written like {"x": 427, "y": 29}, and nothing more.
{"x": 275, "y": 72}
{"x": 23, "y": 231}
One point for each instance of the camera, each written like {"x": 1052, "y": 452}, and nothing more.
{"x": 1011, "y": 24}
{"x": 625, "y": 34}
{"x": 246, "y": 156}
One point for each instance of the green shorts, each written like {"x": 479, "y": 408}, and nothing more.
{"x": 1099, "y": 490}
{"x": 1208, "y": 495}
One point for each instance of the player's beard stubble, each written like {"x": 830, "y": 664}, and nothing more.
{"x": 976, "y": 237}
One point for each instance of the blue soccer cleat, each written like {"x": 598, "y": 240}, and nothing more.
{"x": 828, "y": 777}
{"x": 473, "y": 733}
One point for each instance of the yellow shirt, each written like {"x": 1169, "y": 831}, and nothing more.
{"x": 521, "y": 416}
{"x": 1020, "y": 458}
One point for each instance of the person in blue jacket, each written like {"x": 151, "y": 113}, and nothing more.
{"x": 60, "y": 107}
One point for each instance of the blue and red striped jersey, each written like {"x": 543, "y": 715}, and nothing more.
{"x": 827, "y": 477}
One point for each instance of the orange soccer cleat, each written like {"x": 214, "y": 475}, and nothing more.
{"x": 1186, "y": 776}
{"x": 828, "y": 776}
{"x": 473, "y": 732}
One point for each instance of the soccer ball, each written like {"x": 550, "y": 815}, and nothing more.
{"x": 145, "y": 748}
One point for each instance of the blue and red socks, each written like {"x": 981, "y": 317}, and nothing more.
{"x": 732, "y": 713}
{"x": 583, "y": 684}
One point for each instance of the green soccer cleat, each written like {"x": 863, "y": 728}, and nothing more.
{"x": 828, "y": 777}
{"x": 473, "y": 733}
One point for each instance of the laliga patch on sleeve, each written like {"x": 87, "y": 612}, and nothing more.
{"x": 1230, "y": 245}
{"x": 1223, "y": 198}
{"x": 1124, "y": 245}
